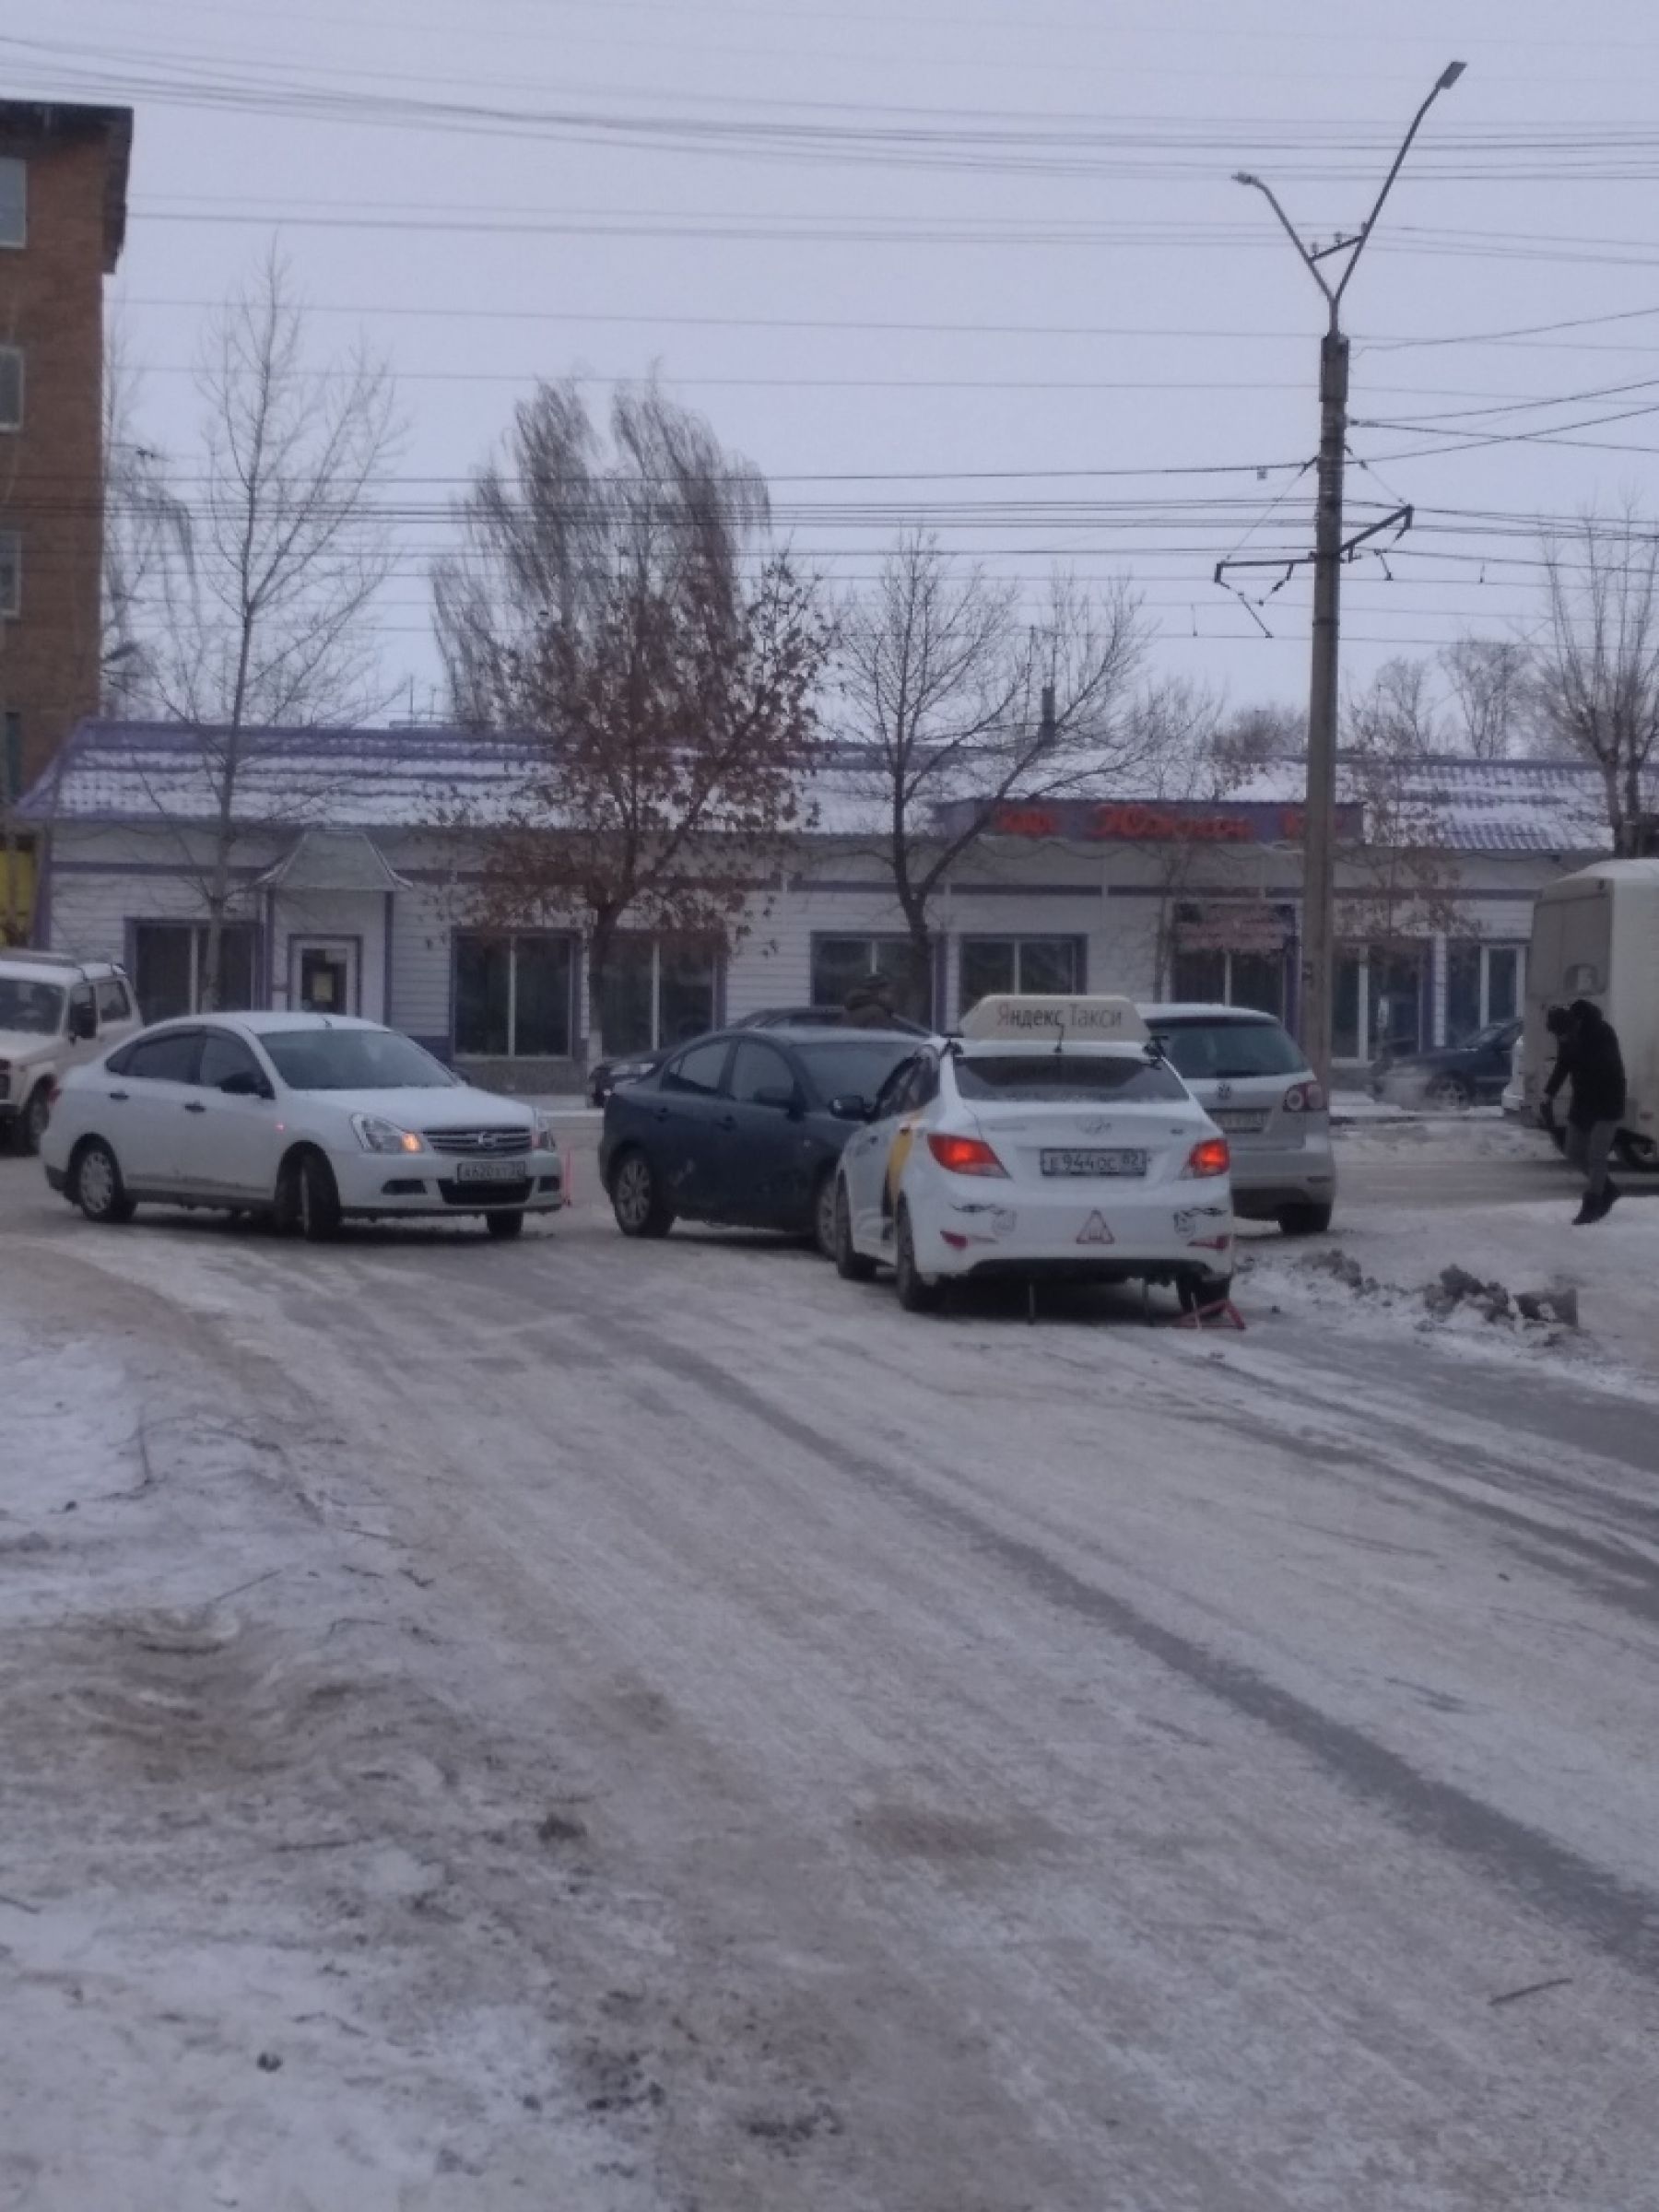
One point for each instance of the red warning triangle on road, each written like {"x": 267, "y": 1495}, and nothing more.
{"x": 1095, "y": 1232}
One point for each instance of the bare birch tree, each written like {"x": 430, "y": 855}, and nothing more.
{"x": 267, "y": 624}
{"x": 1490, "y": 683}
{"x": 958, "y": 706}
{"x": 1596, "y": 682}
{"x": 625, "y": 615}
{"x": 147, "y": 530}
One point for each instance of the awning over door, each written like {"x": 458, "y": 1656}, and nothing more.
{"x": 333, "y": 860}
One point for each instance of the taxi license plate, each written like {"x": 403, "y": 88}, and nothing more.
{"x": 492, "y": 1170}
{"x": 1240, "y": 1121}
{"x": 1094, "y": 1163}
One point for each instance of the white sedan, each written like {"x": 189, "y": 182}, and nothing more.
{"x": 1052, "y": 1139}
{"x": 305, "y": 1117}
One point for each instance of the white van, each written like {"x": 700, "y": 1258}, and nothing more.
{"x": 1596, "y": 936}
{"x": 55, "y": 1013}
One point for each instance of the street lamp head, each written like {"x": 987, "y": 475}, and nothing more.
{"x": 1450, "y": 75}
{"x": 1243, "y": 176}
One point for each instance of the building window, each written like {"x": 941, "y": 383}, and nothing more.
{"x": 11, "y": 573}
{"x": 1483, "y": 985}
{"x": 11, "y": 387}
{"x": 513, "y": 995}
{"x": 14, "y": 201}
{"x": 839, "y": 964}
{"x": 1210, "y": 976}
{"x": 170, "y": 967}
{"x": 1030, "y": 966}
{"x": 656, "y": 993}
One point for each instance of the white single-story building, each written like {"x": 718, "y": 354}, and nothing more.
{"x": 350, "y": 893}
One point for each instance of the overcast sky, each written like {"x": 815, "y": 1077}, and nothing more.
{"x": 978, "y": 263}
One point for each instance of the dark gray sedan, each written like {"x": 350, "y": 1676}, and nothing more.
{"x": 745, "y": 1128}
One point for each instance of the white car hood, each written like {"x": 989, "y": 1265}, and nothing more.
{"x": 461, "y": 1108}
{"x": 26, "y": 1045}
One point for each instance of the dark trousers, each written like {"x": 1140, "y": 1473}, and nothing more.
{"x": 1588, "y": 1150}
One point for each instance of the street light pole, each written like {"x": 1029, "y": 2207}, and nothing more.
{"x": 1319, "y": 849}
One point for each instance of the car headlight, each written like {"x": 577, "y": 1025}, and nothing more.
{"x": 377, "y": 1136}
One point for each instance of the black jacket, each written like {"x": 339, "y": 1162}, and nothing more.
{"x": 1591, "y": 1058}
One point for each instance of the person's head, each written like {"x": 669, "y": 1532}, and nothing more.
{"x": 1586, "y": 1015}
{"x": 1558, "y": 1021}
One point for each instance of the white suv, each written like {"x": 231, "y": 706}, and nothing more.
{"x": 54, "y": 1012}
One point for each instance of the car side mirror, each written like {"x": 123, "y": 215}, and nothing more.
{"x": 83, "y": 1023}
{"x": 851, "y": 1107}
{"x": 246, "y": 1084}
{"x": 781, "y": 1097}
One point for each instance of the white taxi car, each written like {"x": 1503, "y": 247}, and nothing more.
{"x": 309, "y": 1118}
{"x": 1051, "y": 1139}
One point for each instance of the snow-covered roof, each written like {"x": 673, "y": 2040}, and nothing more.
{"x": 406, "y": 779}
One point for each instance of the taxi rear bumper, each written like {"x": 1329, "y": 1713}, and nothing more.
{"x": 1100, "y": 1232}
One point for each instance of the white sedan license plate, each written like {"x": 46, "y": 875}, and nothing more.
{"x": 1240, "y": 1121}
{"x": 1094, "y": 1163}
{"x": 492, "y": 1170}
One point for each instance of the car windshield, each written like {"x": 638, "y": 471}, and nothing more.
{"x": 30, "y": 1009}
{"x": 1494, "y": 1033}
{"x": 856, "y": 1071}
{"x": 1215, "y": 1052}
{"x": 323, "y": 1059}
{"x": 1065, "y": 1079}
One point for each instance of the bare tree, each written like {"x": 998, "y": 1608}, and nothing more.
{"x": 267, "y": 624}
{"x": 1597, "y": 666}
{"x": 625, "y": 615}
{"x": 958, "y": 707}
{"x": 1399, "y": 879}
{"x": 1395, "y": 716}
{"x": 1251, "y": 736}
{"x": 147, "y": 530}
{"x": 1490, "y": 683}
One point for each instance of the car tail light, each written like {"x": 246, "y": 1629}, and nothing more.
{"x": 1209, "y": 1156}
{"x": 964, "y": 1155}
{"x": 1304, "y": 1098}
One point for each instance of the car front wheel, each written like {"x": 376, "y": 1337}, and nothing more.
{"x": 307, "y": 1200}
{"x": 96, "y": 1185}
{"x": 1448, "y": 1094}
{"x": 32, "y": 1120}
{"x": 637, "y": 1199}
{"x": 823, "y": 1215}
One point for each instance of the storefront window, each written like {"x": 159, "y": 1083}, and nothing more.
{"x": 1463, "y": 961}
{"x": 1199, "y": 978}
{"x": 170, "y": 967}
{"x": 656, "y": 993}
{"x": 1504, "y": 983}
{"x": 1345, "y": 1009}
{"x": 1397, "y": 999}
{"x": 1032, "y": 966}
{"x": 839, "y": 963}
{"x": 1211, "y": 977}
{"x": 513, "y": 996}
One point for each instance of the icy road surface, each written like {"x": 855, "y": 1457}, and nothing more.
{"x": 597, "y": 1728}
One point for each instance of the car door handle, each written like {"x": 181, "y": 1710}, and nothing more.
{"x": 194, "y": 1106}
{"x": 121, "y": 1095}
{"x": 728, "y": 1120}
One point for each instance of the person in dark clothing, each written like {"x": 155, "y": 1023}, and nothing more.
{"x": 869, "y": 1005}
{"x": 1587, "y": 1054}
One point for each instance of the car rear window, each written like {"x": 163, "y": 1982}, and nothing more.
{"x": 1064, "y": 1079}
{"x": 1219, "y": 1051}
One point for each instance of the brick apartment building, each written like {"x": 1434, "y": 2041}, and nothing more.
{"x": 63, "y": 220}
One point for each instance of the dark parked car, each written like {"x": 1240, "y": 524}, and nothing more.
{"x": 633, "y": 1068}
{"x": 1473, "y": 1072}
{"x": 743, "y": 1129}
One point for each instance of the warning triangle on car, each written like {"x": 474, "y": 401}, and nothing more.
{"x": 1095, "y": 1232}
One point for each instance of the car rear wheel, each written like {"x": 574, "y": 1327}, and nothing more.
{"x": 95, "y": 1186}
{"x": 916, "y": 1294}
{"x": 1304, "y": 1220}
{"x": 1640, "y": 1153}
{"x": 850, "y": 1262}
{"x": 637, "y": 1200}
{"x": 504, "y": 1225}
{"x": 1198, "y": 1293}
{"x": 1448, "y": 1094}
{"x": 32, "y": 1120}
{"x": 307, "y": 1200}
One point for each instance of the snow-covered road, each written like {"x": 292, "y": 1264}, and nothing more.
{"x": 608, "y": 1729}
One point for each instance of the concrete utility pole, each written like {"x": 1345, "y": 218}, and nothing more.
{"x": 1319, "y": 861}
